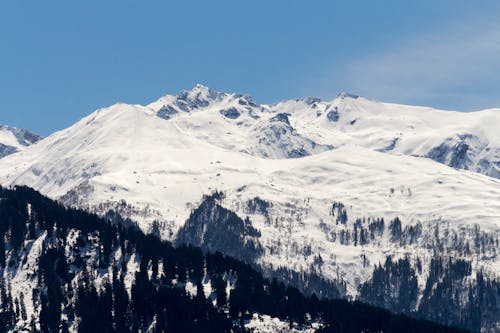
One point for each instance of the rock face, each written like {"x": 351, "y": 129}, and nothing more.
{"x": 342, "y": 195}
{"x": 469, "y": 152}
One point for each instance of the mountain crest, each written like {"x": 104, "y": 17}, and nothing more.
{"x": 200, "y": 95}
{"x": 343, "y": 95}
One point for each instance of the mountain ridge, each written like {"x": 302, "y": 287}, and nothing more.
{"x": 345, "y": 184}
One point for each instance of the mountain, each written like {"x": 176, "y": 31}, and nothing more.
{"x": 14, "y": 139}
{"x": 469, "y": 141}
{"x": 395, "y": 205}
{"x": 65, "y": 270}
{"x": 461, "y": 140}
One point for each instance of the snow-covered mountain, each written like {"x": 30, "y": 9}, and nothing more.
{"x": 461, "y": 140}
{"x": 14, "y": 139}
{"x": 330, "y": 188}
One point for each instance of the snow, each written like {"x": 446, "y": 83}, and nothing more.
{"x": 267, "y": 324}
{"x": 372, "y": 159}
{"x": 399, "y": 129}
{"x": 14, "y": 139}
{"x": 23, "y": 278}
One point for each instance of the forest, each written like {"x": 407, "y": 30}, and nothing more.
{"x": 83, "y": 281}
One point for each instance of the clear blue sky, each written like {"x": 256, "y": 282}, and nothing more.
{"x": 62, "y": 59}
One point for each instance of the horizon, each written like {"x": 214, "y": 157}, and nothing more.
{"x": 235, "y": 92}
{"x": 61, "y": 61}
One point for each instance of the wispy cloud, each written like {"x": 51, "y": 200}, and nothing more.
{"x": 458, "y": 68}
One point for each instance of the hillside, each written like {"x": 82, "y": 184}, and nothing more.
{"x": 65, "y": 270}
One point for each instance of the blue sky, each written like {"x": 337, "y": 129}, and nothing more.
{"x": 60, "y": 59}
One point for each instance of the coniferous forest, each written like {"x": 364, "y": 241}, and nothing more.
{"x": 68, "y": 270}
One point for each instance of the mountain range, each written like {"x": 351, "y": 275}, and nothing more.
{"x": 394, "y": 205}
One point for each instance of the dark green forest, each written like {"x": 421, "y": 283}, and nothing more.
{"x": 69, "y": 297}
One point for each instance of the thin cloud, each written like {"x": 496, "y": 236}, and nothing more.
{"x": 459, "y": 67}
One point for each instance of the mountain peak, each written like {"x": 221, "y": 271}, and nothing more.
{"x": 344, "y": 94}
{"x": 13, "y": 139}
{"x": 200, "y": 96}
{"x": 200, "y": 87}
{"x": 309, "y": 100}
{"x": 200, "y": 90}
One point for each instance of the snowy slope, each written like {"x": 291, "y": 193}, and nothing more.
{"x": 235, "y": 122}
{"x": 462, "y": 140}
{"x": 14, "y": 139}
{"x": 154, "y": 163}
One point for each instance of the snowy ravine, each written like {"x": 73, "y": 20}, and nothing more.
{"x": 314, "y": 178}
{"x": 14, "y": 139}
